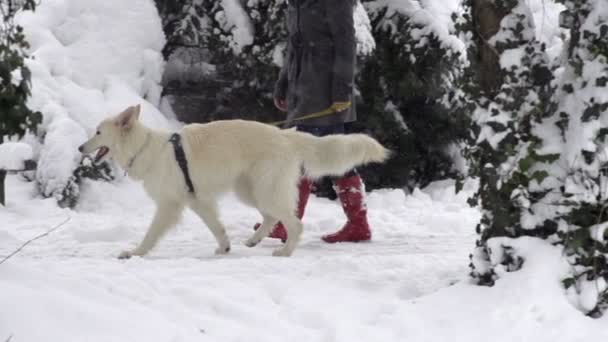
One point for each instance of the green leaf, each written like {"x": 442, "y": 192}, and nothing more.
{"x": 459, "y": 184}
{"x": 526, "y": 163}
{"x": 568, "y": 282}
{"x": 539, "y": 175}
{"x": 591, "y": 113}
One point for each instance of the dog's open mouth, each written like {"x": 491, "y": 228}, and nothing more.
{"x": 101, "y": 152}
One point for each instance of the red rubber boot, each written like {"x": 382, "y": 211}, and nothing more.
{"x": 304, "y": 188}
{"x": 351, "y": 193}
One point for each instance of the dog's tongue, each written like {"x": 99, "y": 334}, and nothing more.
{"x": 100, "y": 153}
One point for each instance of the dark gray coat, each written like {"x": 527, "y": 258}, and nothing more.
{"x": 320, "y": 62}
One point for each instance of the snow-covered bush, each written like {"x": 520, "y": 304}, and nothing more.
{"x": 15, "y": 78}
{"x": 538, "y": 147}
{"x": 90, "y": 59}
{"x": 402, "y": 85}
{"x": 221, "y": 57}
{"x": 504, "y": 150}
{"x": 581, "y": 172}
{"x": 227, "y": 55}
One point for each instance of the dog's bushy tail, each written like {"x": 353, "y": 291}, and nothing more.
{"x": 335, "y": 154}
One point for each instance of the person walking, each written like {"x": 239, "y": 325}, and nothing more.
{"x": 317, "y": 74}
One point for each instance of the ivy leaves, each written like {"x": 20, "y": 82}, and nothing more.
{"x": 15, "y": 78}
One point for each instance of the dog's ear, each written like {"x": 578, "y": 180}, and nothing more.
{"x": 137, "y": 110}
{"x": 127, "y": 118}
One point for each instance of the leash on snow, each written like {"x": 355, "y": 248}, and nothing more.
{"x": 34, "y": 239}
{"x": 335, "y": 108}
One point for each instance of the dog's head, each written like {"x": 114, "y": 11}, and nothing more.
{"x": 109, "y": 133}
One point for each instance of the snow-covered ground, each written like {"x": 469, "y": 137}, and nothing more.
{"x": 409, "y": 284}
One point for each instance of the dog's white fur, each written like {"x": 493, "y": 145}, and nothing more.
{"x": 259, "y": 162}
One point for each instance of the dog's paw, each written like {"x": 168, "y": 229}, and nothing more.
{"x": 125, "y": 255}
{"x": 281, "y": 252}
{"x": 222, "y": 250}
{"x": 251, "y": 242}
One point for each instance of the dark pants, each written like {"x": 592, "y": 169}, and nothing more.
{"x": 321, "y": 131}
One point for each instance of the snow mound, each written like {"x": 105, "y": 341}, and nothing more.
{"x": 527, "y": 305}
{"x": 14, "y": 154}
{"x": 90, "y": 60}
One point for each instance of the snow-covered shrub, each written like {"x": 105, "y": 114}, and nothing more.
{"x": 226, "y": 56}
{"x": 221, "y": 57}
{"x": 504, "y": 152}
{"x": 538, "y": 147}
{"x": 407, "y": 52}
{"x": 90, "y": 59}
{"x": 581, "y": 173}
{"x": 402, "y": 85}
{"x": 15, "y": 77}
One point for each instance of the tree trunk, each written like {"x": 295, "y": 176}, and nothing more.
{"x": 486, "y": 22}
{"x": 2, "y": 177}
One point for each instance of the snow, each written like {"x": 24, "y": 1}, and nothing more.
{"x": 233, "y": 18}
{"x": 185, "y": 65}
{"x": 391, "y": 109}
{"x": 14, "y": 154}
{"x": 511, "y": 58}
{"x": 363, "y": 31}
{"x": 598, "y": 232}
{"x": 16, "y": 77}
{"x": 90, "y": 59}
{"x": 408, "y": 284}
{"x": 432, "y": 17}
{"x": 546, "y": 20}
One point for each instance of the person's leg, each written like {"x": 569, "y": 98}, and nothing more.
{"x": 305, "y": 185}
{"x": 351, "y": 192}
{"x": 304, "y": 188}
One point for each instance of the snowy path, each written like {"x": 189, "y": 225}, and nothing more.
{"x": 184, "y": 292}
{"x": 69, "y": 286}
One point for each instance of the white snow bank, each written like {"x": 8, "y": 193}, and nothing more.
{"x": 14, "y": 154}
{"x": 527, "y": 305}
{"x": 91, "y": 59}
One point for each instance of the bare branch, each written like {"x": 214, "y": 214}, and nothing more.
{"x": 32, "y": 240}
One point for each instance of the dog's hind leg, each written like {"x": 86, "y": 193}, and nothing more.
{"x": 167, "y": 214}
{"x": 207, "y": 211}
{"x": 281, "y": 206}
{"x": 294, "y": 231}
{"x": 262, "y": 231}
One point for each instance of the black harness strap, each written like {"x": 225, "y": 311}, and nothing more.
{"x": 180, "y": 157}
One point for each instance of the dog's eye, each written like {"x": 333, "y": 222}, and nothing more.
{"x": 98, "y": 133}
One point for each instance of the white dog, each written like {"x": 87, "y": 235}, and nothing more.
{"x": 261, "y": 163}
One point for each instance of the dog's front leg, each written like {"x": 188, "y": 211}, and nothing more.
{"x": 167, "y": 214}
{"x": 207, "y": 211}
